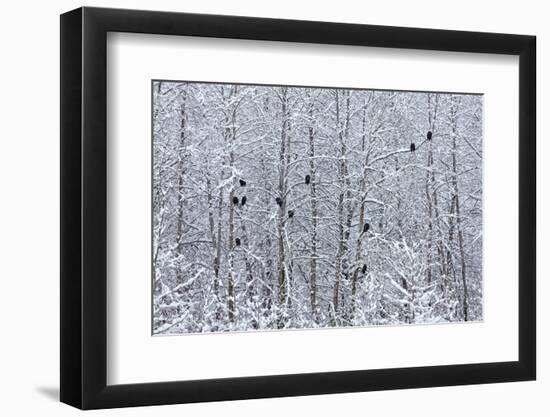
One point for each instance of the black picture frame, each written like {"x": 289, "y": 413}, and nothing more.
{"x": 84, "y": 207}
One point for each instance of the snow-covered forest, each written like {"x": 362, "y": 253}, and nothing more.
{"x": 286, "y": 207}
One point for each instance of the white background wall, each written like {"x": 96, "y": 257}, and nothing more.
{"x": 29, "y": 207}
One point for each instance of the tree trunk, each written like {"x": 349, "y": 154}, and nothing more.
{"x": 282, "y": 189}
{"x": 457, "y": 211}
{"x": 343, "y": 221}
{"x": 215, "y": 247}
{"x": 314, "y": 218}
{"x": 230, "y": 136}
{"x": 180, "y": 187}
{"x": 360, "y": 234}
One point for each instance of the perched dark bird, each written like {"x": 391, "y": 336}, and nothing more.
{"x": 364, "y": 269}
{"x": 238, "y": 242}
{"x": 243, "y": 201}
{"x": 242, "y": 182}
{"x": 290, "y": 214}
{"x": 429, "y": 135}
{"x": 413, "y": 147}
{"x": 235, "y": 200}
{"x": 308, "y": 179}
{"x": 279, "y": 201}
{"x": 366, "y": 227}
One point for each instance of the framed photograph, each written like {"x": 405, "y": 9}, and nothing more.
{"x": 256, "y": 208}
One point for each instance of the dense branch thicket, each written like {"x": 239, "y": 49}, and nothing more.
{"x": 283, "y": 207}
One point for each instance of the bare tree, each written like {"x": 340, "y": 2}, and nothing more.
{"x": 291, "y": 207}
